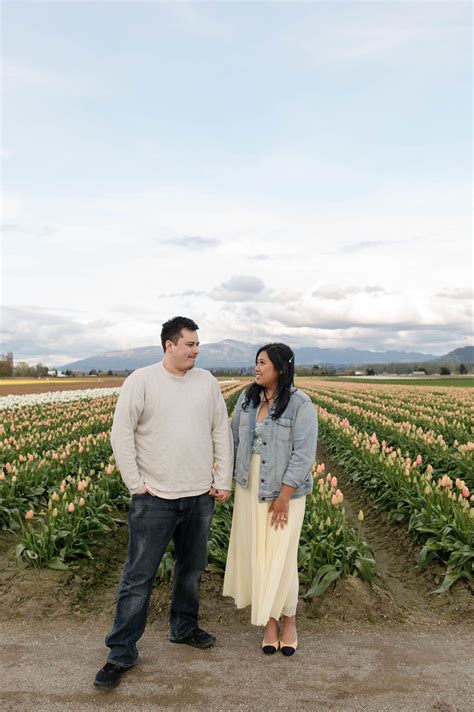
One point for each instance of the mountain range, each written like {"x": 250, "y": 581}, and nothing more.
{"x": 238, "y": 354}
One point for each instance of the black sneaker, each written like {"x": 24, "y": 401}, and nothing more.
{"x": 198, "y": 638}
{"x": 109, "y": 676}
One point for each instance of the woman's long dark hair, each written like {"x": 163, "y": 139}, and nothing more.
{"x": 283, "y": 359}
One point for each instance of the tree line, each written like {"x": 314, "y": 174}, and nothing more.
{"x": 22, "y": 369}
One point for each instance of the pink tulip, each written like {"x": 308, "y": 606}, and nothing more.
{"x": 14, "y": 478}
{"x": 328, "y": 477}
{"x": 55, "y": 456}
{"x": 334, "y": 500}
{"x": 82, "y": 502}
{"x": 334, "y": 483}
{"x": 465, "y": 492}
{"x": 81, "y": 486}
{"x": 419, "y": 459}
{"x": 70, "y": 507}
{"x": 30, "y": 514}
{"x": 8, "y": 467}
{"x": 2, "y": 476}
{"x": 110, "y": 469}
{"x": 446, "y": 481}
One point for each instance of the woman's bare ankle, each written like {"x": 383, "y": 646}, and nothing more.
{"x": 272, "y": 630}
{"x": 288, "y": 629}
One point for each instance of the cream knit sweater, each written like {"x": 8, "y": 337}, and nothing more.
{"x": 168, "y": 431}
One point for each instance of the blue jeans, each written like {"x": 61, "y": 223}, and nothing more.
{"x": 153, "y": 522}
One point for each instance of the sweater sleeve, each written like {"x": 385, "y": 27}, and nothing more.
{"x": 126, "y": 417}
{"x": 222, "y": 442}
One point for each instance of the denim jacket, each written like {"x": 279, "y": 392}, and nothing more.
{"x": 288, "y": 446}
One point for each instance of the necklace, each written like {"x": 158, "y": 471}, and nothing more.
{"x": 268, "y": 400}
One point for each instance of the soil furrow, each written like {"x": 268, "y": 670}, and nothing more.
{"x": 410, "y": 588}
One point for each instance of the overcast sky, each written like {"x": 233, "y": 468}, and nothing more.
{"x": 291, "y": 171}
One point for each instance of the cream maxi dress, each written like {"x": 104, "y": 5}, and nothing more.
{"x": 262, "y": 562}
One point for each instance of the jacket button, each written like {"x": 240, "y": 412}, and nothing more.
{"x": 262, "y": 480}
{"x": 263, "y": 462}
{"x": 264, "y": 443}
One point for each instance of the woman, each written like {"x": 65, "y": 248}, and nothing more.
{"x": 275, "y": 431}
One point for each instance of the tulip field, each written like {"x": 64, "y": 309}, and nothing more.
{"x": 60, "y": 490}
{"x": 412, "y": 450}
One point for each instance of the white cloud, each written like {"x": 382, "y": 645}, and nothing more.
{"x": 35, "y": 334}
{"x": 240, "y": 289}
{"x": 337, "y": 292}
{"x": 462, "y": 293}
{"x": 191, "y": 242}
{"x": 96, "y": 255}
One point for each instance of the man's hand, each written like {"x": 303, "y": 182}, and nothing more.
{"x": 145, "y": 490}
{"x": 220, "y": 495}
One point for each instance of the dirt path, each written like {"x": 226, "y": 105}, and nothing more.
{"x": 51, "y": 645}
{"x": 50, "y": 666}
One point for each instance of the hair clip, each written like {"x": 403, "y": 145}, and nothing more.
{"x": 290, "y": 359}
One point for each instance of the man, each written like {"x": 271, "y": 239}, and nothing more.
{"x": 172, "y": 444}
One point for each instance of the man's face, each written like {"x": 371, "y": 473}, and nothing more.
{"x": 183, "y": 354}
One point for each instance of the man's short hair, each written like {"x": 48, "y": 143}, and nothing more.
{"x": 171, "y": 330}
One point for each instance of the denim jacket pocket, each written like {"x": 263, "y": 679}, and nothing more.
{"x": 283, "y": 429}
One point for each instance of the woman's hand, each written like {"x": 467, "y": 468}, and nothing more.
{"x": 279, "y": 509}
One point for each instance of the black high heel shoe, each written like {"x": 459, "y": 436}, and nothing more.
{"x": 288, "y": 650}
{"x": 269, "y": 648}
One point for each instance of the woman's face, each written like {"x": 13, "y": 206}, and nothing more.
{"x": 266, "y": 374}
